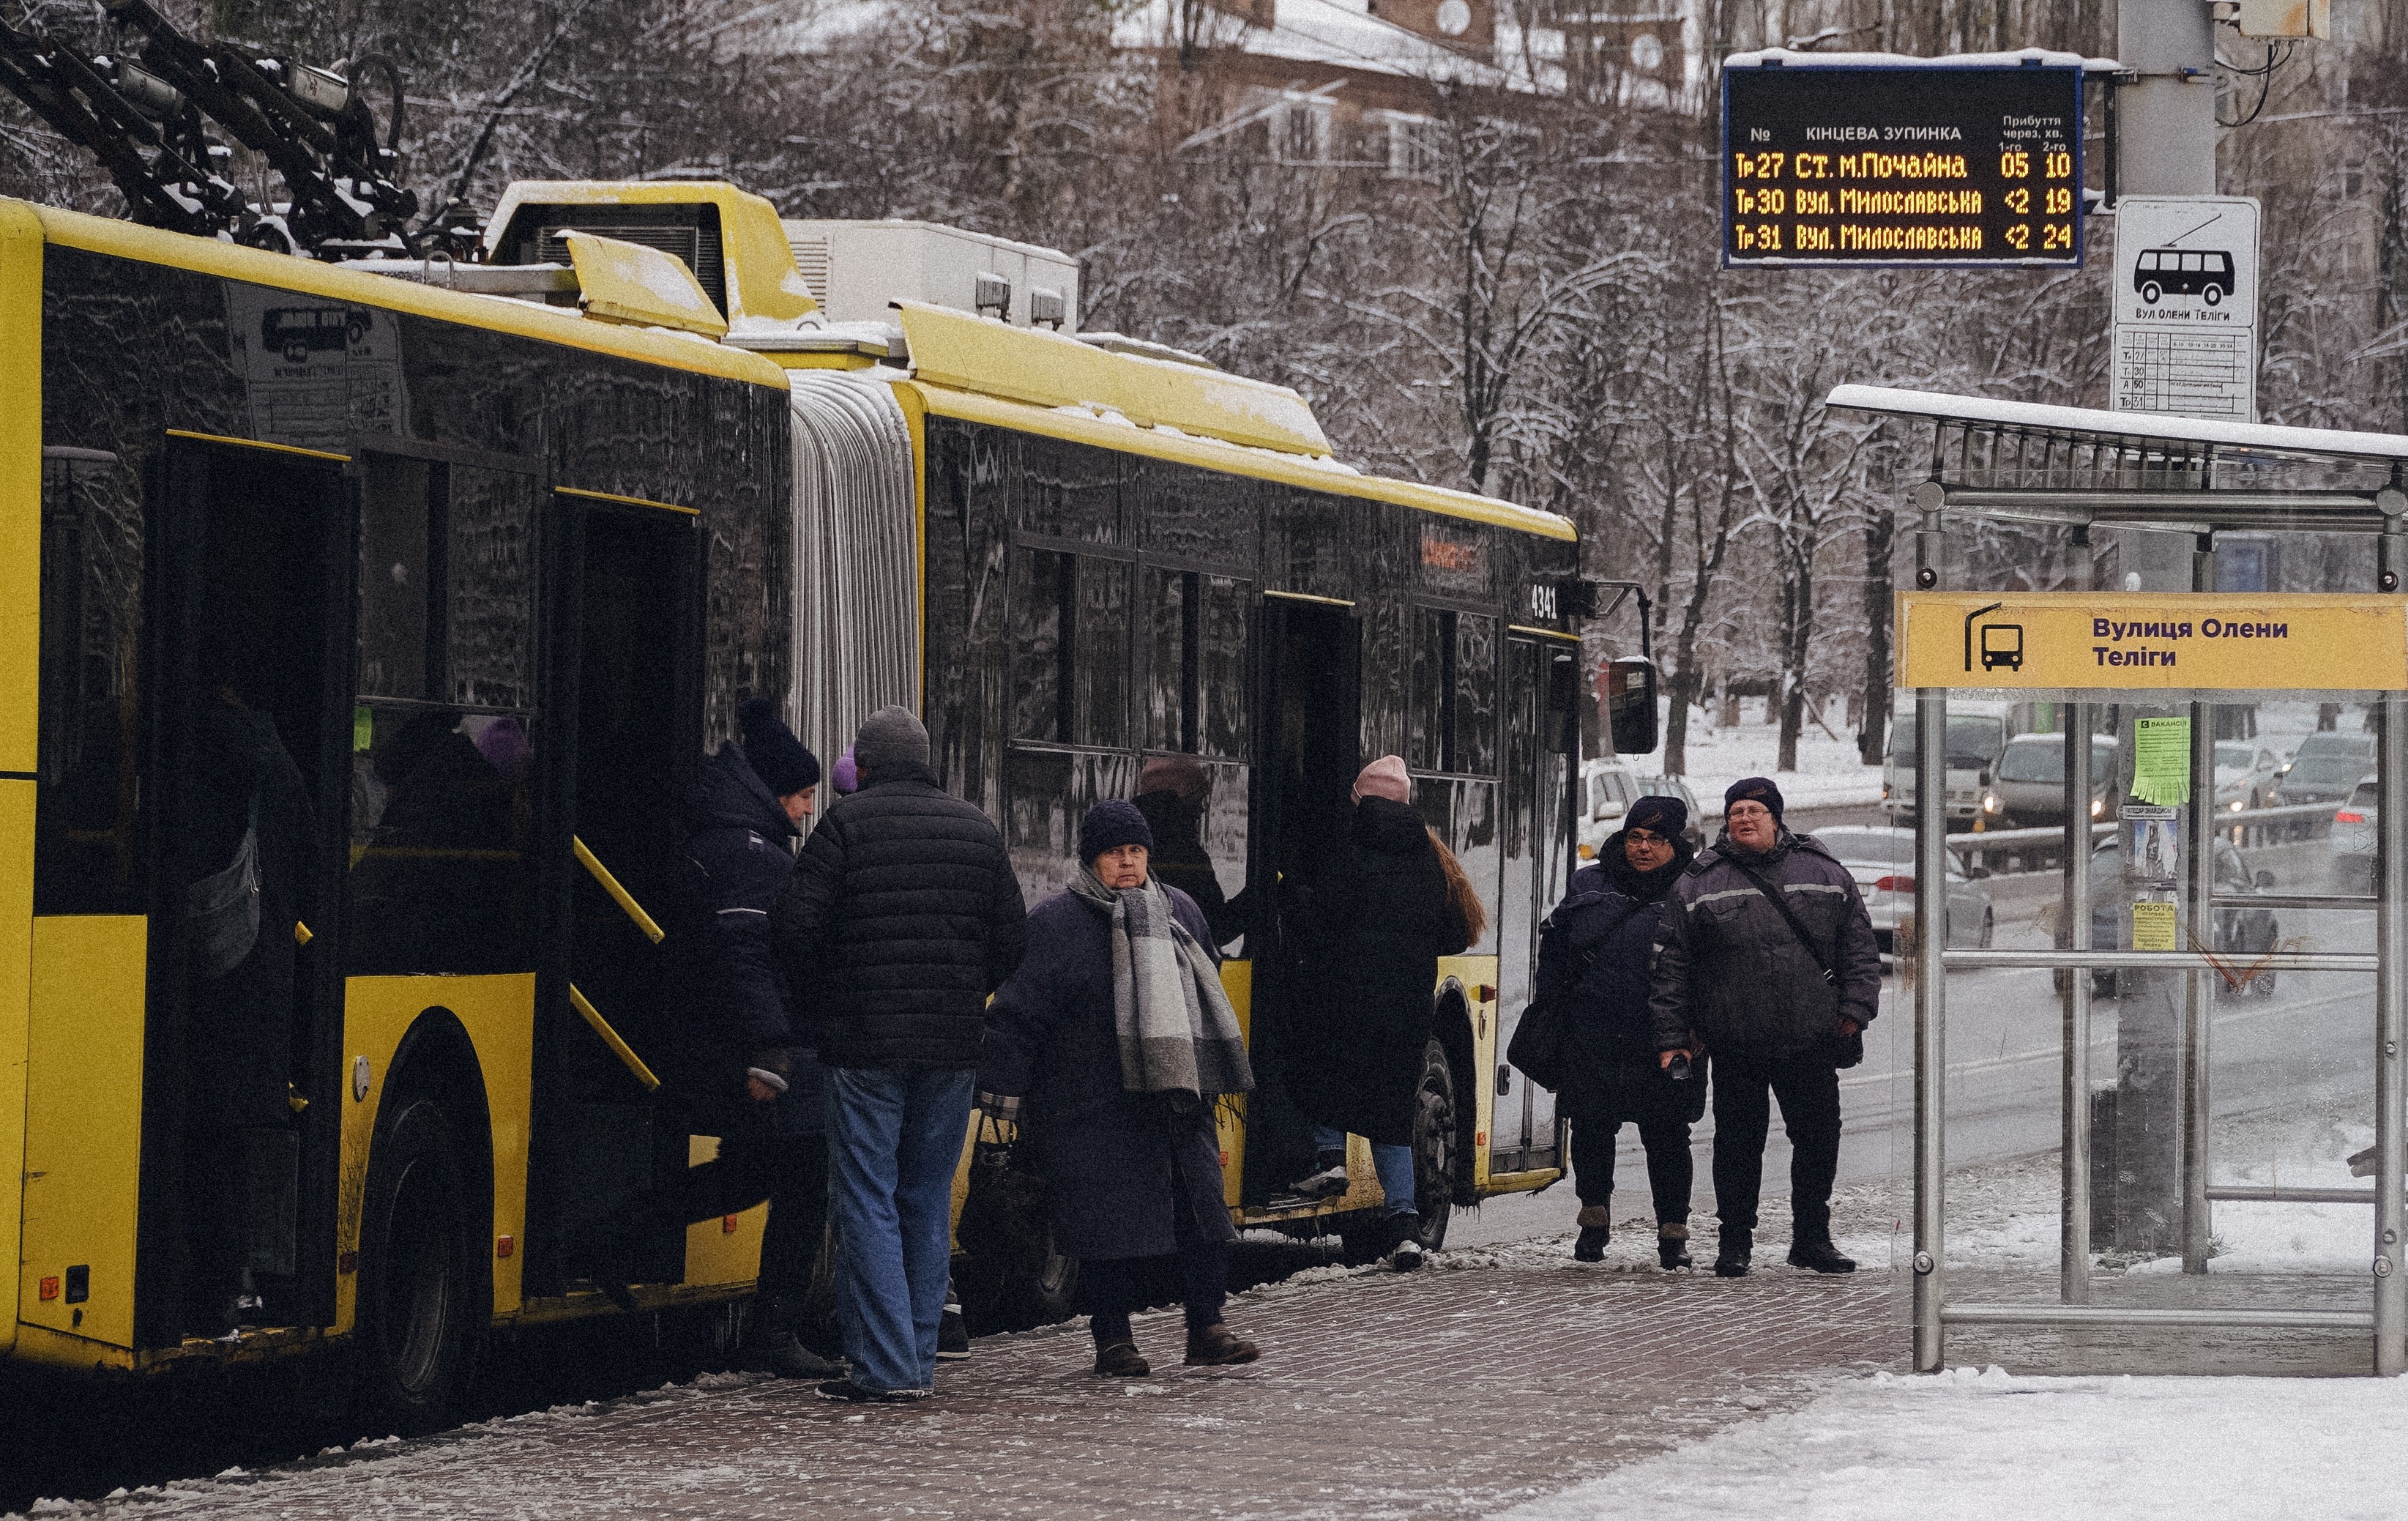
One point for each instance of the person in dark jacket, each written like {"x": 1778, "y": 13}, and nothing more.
{"x": 902, "y": 916}
{"x": 746, "y": 1072}
{"x": 1131, "y": 1161}
{"x": 239, "y": 790}
{"x": 1372, "y": 932}
{"x": 1595, "y": 952}
{"x": 1779, "y": 1015}
{"x": 1171, "y": 792}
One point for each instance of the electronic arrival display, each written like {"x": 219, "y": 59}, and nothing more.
{"x": 1902, "y": 164}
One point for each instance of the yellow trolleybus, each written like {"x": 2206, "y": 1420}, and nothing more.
{"x": 547, "y": 528}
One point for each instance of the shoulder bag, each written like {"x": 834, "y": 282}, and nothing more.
{"x": 1542, "y": 1037}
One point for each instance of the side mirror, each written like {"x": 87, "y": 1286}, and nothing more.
{"x": 2265, "y": 882}
{"x": 1977, "y": 873}
{"x": 1630, "y": 705}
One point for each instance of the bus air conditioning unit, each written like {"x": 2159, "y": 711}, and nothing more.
{"x": 855, "y": 268}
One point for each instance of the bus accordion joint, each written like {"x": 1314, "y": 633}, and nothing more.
{"x": 618, "y": 894}
{"x": 619, "y": 1048}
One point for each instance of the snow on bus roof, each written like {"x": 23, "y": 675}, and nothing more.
{"x": 2092, "y": 424}
{"x": 2036, "y": 57}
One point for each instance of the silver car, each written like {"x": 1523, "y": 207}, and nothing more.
{"x": 1883, "y": 863}
{"x": 2353, "y": 837}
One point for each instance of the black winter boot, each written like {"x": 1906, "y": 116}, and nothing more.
{"x": 1672, "y": 1245}
{"x": 1822, "y": 1256}
{"x": 1596, "y": 1229}
{"x": 1738, "y": 1248}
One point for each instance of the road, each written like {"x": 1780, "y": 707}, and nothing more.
{"x": 2307, "y": 1044}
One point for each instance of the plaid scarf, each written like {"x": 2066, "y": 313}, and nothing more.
{"x": 1177, "y": 1034}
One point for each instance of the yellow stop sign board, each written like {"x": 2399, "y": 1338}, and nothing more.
{"x": 2149, "y": 640}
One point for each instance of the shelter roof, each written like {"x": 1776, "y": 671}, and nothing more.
{"x": 2134, "y": 432}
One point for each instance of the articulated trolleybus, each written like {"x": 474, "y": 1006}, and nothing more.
{"x": 495, "y": 549}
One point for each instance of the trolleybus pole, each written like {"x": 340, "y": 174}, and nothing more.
{"x": 2199, "y": 991}
{"x": 2390, "y": 994}
{"x": 2073, "y": 1151}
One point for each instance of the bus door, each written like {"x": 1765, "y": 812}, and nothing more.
{"x": 1542, "y": 770}
{"x": 633, "y": 613}
{"x": 1308, "y": 749}
{"x": 247, "y": 675}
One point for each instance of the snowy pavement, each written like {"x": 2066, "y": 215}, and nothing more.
{"x": 1969, "y": 1443}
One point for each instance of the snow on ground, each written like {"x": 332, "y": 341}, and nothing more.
{"x": 1985, "y": 1444}
{"x": 1828, "y": 772}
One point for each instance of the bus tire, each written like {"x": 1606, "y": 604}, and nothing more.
{"x": 1435, "y": 1157}
{"x": 419, "y": 1260}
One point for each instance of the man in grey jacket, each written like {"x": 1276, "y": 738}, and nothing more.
{"x": 1781, "y": 1001}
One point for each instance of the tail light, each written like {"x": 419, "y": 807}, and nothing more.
{"x": 2347, "y": 816}
{"x": 1894, "y": 884}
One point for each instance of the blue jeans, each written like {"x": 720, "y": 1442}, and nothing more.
{"x": 895, "y": 1138}
{"x": 1394, "y": 1164}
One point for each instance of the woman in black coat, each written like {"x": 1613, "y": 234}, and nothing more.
{"x": 1594, "y": 953}
{"x": 1128, "y": 1175}
{"x": 1376, "y": 925}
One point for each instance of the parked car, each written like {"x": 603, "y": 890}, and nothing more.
{"x": 2353, "y": 837}
{"x": 2244, "y": 774}
{"x": 1883, "y": 863}
{"x": 1608, "y": 788}
{"x": 2241, "y": 933}
{"x": 2028, "y": 791}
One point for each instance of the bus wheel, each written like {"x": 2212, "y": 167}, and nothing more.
{"x": 419, "y": 1261}
{"x": 1434, "y": 1146}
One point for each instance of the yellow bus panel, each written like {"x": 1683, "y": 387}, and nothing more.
{"x": 83, "y": 1124}
{"x": 498, "y": 1014}
{"x": 725, "y": 1251}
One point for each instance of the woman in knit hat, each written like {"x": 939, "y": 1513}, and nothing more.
{"x": 1372, "y": 934}
{"x": 1115, "y": 1035}
{"x": 1593, "y": 955}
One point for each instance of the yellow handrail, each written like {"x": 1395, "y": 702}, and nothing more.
{"x": 619, "y": 1048}
{"x": 618, "y": 894}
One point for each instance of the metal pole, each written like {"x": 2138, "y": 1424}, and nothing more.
{"x": 1930, "y": 977}
{"x": 2391, "y": 998}
{"x": 2165, "y": 119}
{"x": 2073, "y": 1147}
{"x": 1931, "y": 999}
{"x": 2199, "y": 991}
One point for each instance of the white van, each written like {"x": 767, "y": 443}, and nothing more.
{"x": 1978, "y": 733}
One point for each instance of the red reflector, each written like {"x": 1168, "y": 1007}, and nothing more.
{"x": 727, "y": 1224}
{"x": 49, "y": 1288}
{"x": 1480, "y": 1137}
{"x": 1894, "y": 884}
{"x": 505, "y": 1246}
{"x": 2345, "y": 817}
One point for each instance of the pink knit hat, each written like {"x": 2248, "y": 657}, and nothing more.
{"x": 1385, "y": 778}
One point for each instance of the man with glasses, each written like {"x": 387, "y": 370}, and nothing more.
{"x": 1766, "y": 957}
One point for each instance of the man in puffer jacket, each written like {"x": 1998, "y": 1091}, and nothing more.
{"x": 902, "y": 916}
{"x": 1732, "y": 973}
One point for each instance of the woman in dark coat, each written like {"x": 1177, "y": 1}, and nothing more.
{"x": 1594, "y": 953}
{"x": 1130, "y": 1175}
{"x": 1376, "y": 925}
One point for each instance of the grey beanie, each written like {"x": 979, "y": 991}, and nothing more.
{"x": 891, "y": 736}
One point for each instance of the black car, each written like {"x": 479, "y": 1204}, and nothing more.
{"x": 2242, "y": 934}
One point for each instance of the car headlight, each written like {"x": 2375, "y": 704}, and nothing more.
{"x": 1989, "y": 802}
{"x": 2097, "y": 807}
{"x": 2236, "y": 805}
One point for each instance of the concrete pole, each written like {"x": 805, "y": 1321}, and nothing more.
{"x": 2167, "y": 117}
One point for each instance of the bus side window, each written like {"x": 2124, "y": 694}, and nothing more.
{"x": 1450, "y": 716}
{"x": 1070, "y": 669}
{"x": 86, "y": 856}
{"x": 1196, "y": 663}
{"x": 445, "y": 725}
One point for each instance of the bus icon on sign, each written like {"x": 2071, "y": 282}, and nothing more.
{"x": 2205, "y": 273}
{"x": 2002, "y": 644}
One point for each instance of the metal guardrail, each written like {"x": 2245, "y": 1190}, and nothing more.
{"x": 2085, "y": 1314}
{"x": 1983, "y": 842}
{"x": 2264, "y": 1194}
{"x": 2172, "y": 960}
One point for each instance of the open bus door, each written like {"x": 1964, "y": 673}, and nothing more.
{"x": 1541, "y": 805}
{"x": 632, "y": 635}
{"x": 1309, "y": 684}
{"x": 249, "y": 566}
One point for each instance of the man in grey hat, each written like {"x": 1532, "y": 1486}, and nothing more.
{"x": 902, "y": 916}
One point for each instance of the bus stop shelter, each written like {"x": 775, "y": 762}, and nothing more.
{"x": 2058, "y": 475}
